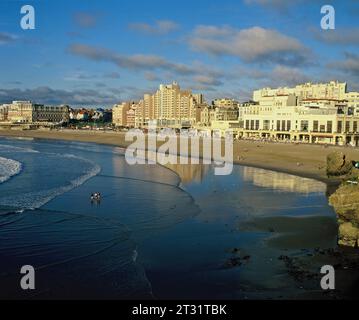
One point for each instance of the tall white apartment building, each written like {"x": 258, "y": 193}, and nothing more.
{"x": 119, "y": 114}
{"x": 169, "y": 106}
{"x": 331, "y": 90}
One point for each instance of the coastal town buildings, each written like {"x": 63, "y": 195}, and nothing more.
{"x": 90, "y": 115}
{"x": 307, "y": 113}
{"x": 330, "y": 90}
{"x": 224, "y": 118}
{"x": 170, "y": 106}
{"x": 26, "y": 112}
{"x": 221, "y": 115}
{"x": 27, "y": 115}
{"x": 312, "y": 113}
{"x": 119, "y": 113}
{"x": 226, "y": 103}
{"x": 4, "y": 111}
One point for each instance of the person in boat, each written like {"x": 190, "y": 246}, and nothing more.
{"x": 96, "y": 196}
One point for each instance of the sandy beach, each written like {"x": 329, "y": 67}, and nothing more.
{"x": 298, "y": 159}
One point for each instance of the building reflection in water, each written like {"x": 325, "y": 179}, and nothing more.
{"x": 282, "y": 181}
{"x": 189, "y": 173}
{"x": 195, "y": 173}
{"x": 154, "y": 173}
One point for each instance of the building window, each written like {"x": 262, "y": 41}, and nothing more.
{"x": 283, "y": 125}
{"x": 329, "y": 126}
{"x": 278, "y": 125}
{"x": 252, "y": 124}
{"x": 340, "y": 127}
{"x": 247, "y": 124}
{"x": 315, "y": 126}
{"x": 355, "y": 126}
{"x": 266, "y": 124}
{"x": 347, "y": 126}
{"x": 304, "y": 124}
{"x": 289, "y": 125}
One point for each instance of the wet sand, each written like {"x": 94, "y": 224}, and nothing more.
{"x": 299, "y": 159}
{"x": 309, "y": 236}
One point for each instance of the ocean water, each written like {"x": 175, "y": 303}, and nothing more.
{"x": 157, "y": 233}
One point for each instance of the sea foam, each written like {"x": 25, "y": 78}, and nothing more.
{"x": 7, "y": 148}
{"x": 37, "y": 199}
{"x": 8, "y": 169}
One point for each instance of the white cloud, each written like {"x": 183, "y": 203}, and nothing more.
{"x": 251, "y": 45}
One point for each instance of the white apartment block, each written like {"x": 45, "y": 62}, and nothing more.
{"x": 330, "y": 90}
{"x": 313, "y": 113}
{"x": 119, "y": 112}
{"x": 169, "y": 105}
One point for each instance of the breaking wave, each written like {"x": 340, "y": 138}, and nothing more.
{"x": 9, "y": 168}
{"x": 37, "y": 199}
{"x": 73, "y": 171}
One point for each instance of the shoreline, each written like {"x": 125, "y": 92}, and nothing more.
{"x": 303, "y": 160}
{"x": 294, "y": 266}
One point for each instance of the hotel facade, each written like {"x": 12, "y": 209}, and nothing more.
{"x": 312, "y": 113}
{"x": 26, "y": 112}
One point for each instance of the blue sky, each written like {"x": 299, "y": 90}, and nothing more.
{"x": 97, "y": 53}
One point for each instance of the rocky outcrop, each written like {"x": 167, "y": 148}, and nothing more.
{"x": 338, "y": 164}
{"x": 346, "y": 204}
{"x": 346, "y": 198}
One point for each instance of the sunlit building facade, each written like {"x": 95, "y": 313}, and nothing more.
{"x": 119, "y": 114}
{"x": 169, "y": 106}
{"x": 309, "y": 113}
{"x": 29, "y": 113}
